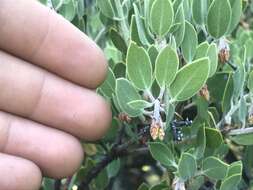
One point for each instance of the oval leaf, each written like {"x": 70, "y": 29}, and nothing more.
{"x": 199, "y": 11}
{"x": 139, "y": 104}
{"x": 231, "y": 182}
{"x": 214, "y": 168}
{"x": 212, "y": 53}
{"x": 68, "y": 11}
{"x": 179, "y": 33}
{"x": 106, "y": 8}
{"x": 202, "y": 50}
{"x": 190, "y": 79}
{"x": 139, "y": 68}
{"x": 166, "y": 66}
{"x": 162, "y": 153}
{"x": 213, "y": 137}
{"x": 236, "y": 6}
{"x": 125, "y": 93}
{"x": 243, "y": 139}
{"x": 190, "y": 42}
{"x": 218, "y": 18}
{"x": 108, "y": 87}
{"x": 187, "y": 166}
{"x": 161, "y": 17}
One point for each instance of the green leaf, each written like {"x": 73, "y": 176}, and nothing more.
{"x": 139, "y": 104}
{"x": 249, "y": 48}
{"x": 199, "y": 11}
{"x": 238, "y": 78}
{"x": 106, "y": 8}
{"x": 196, "y": 183}
{"x": 231, "y": 182}
{"x": 187, "y": 166}
{"x": 236, "y": 6}
{"x": 215, "y": 84}
{"x": 190, "y": 42}
{"x": 250, "y": 82}
{"x": 179, "y": 33}
{"x": 212, "y": 53}
{"x": 201, "y": 50}
{"x": 48, "y": 184}
{"x": 162, "y": 153}
{"x": 113, "y": 168}
{"x": 143, "y": 186}
{"x": 218, "y": 18}
{"x": 108, "y": 87}
{"x": 68, "y": 11}
{"x": 125, "y": 93}
{"x": 213, "y": 137}
{"x": 161, "y": 186}
{"x": 118, "y": 41}
{"x": 201, "y": 142}
{"x": 161, "y": 17}
{"x": 140, "y": 26}
{"x": 166, "y": 66}
{"x": 243, "y": 110}
{"x": 44, "y": 2}
{"x": 56, "y": 4}
{"x": 153, "y": 53}
{"x": 235, "y": 168}
{"x": 189, "y": 80}
{"x": 228, "y": 94}
{"x": 243, "y": 139}
{"x": 80, "y": 9}
{"x": 134, "y": 31}
{"x": 214, "y": 168}
{"x": 139, "y": 68}
{"x": 102, "y": 180}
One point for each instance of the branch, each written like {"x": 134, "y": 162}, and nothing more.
{"x": 117, "y": 151}
{"x": 241, "y": 131}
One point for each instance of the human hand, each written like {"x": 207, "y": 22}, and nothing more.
{"x": 48, "y": 69}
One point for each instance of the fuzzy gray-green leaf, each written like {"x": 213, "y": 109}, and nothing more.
{"x": 125, "y": 93}
{"x": 108, "y": 87}
{"x": 166, "y": 66}
{"x": 162, "y": 153}
{"x": 139, "y": 68}
{"x": 190, "y": 79}
{"x": 161, "y": 17}
{"x": 139, "y": 104}
{"x": 212, "y": 53}
{"x": 236, "y": 6}
{"x": 199, "y": 11}
{"x": 218, "y": 18}
{"x": 187, "y": 166}
{"x": 190, "y": 42}
{"x": 215, "y": 168}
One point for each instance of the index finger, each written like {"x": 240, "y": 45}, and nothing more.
{"x": 37, "y": 34}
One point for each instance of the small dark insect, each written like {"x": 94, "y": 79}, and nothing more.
{"x": 177, "y": 127}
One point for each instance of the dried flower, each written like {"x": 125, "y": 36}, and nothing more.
{"x": 124, "y": 117}
{"x": 156, "y": 131}
{"x": 224, "y": 50}
{"x": 204, "y": 92}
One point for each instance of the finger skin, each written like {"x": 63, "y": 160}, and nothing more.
{"x": 31, "y": 92}
{"x": 18, "y": 174}
{"x": 37, "y": 34}
{"x": 58, "y": 154}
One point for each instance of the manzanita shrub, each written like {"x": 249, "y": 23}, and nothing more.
{"x": 180, "y": 85}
